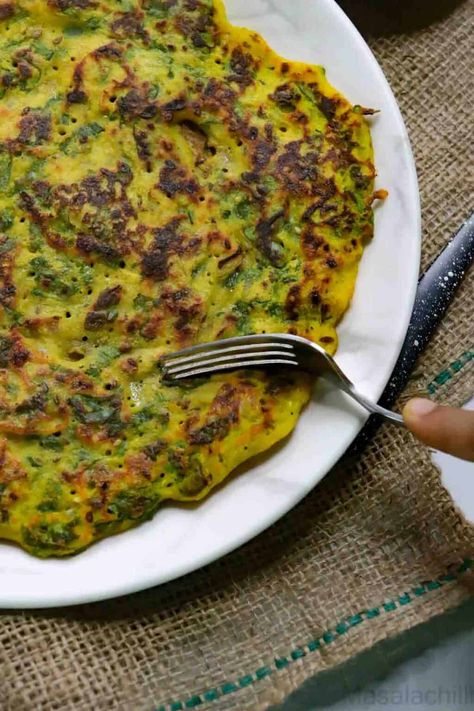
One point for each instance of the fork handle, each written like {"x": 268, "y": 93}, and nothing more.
{"x": 374, "y": 408}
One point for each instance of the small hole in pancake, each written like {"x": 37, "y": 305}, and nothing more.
{"x": 108, "y": 452}
{"x": 112, "y": 99}
{"x": 212, "y": 150}
{"x": 202, "y": 198}
{"x": 89, "y": 291}
{"x": 283, "y": 129}
{"x": 72, "y": 492}
{"x": 62, "y": 132}
{"x": 68, "y": 314}
{"x": 240, "y": 143}
{"x": 74, "y": 120}
{"x": 85, "y": 338}
{"x": 22, "y": 219}
{"x": 57, "y": 434}
{"x": 55, "y": 69}
{"x": 122, "y": 264}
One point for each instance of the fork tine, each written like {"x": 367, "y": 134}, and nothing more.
{"x": 223, "y": 356}
{"x": 193, "y": 371}
{"x": 175, "y": 358}
{"x": 208, "y": 349}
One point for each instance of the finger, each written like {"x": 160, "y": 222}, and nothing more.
{"x": 446, "y": 428}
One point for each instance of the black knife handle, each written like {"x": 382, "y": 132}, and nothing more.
{"x": 436, "y": 288}
{"x": 435, "y": 292}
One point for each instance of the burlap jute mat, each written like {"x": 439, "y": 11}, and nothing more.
{"x": 377, "y": 548}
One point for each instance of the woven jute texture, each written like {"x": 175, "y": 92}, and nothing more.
{"x": 377, "y": 548}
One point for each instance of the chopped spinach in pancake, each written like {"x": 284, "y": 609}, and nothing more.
{"x": 165, "y": 179}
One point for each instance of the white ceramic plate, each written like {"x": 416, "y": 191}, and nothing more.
{"x": 181, "y": 539}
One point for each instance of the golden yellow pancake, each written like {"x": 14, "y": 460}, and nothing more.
{"x": 165, "y": 179}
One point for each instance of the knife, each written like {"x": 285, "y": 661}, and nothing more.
{"x": 436, "y": 289}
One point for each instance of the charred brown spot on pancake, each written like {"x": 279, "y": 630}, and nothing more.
{"x": 72, "y": 4}
{"x": 155, "y": 448}
{"x": 129, "y": 24}
{"x": 327, "y": 105}
{"x": 223, "y": 414}
{"x": 262, "y": 154}
{"x": 297, "y": 171}
{"x": 196, "y": 23}
{"x": 109, "y": 297}
{"x": 166, "y": 241}
{"x": 76, "y": 96}
{"x": 8, "y": 288}
{"x": 101, "y": 313}
{"x": 293, "y": 302}
{"x": 285, "y": 96}
{"x": 175, "y": 179}
{"x": 135, "y": 104}
{"x": 35, "y": 127}
{"x": 12, "y": 351}
{"x": 311, "y": 243}
{"x": 89, "y": 245}
{"x": 187, "y": 309}
{"x": 7, "y": 295}
{"x": 243, "y": 67}
{"x": 315, "y": 297}
{"x": 35, "y": 403}
{"x": 95, "y": 320}
{"x": 143, "y": 147}
{"x": 169, "y": 109}
{"x": 108, "y": 51}
{"x": 216, "y": 94}
{"x": 326, "y": 191}
{"x": 7, "y": 9}
{"x": 265, "y": 242}
{"x": 27, "y": 203}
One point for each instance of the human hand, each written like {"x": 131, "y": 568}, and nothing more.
{"x": 446, "y": 428}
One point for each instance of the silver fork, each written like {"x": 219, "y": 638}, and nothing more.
{"x": 263, "y": 352}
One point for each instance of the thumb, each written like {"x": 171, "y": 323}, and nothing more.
{"x": 446, "y": 428}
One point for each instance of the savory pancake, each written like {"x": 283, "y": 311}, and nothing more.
{"x": 165, "y": 179}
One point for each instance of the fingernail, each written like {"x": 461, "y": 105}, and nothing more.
{"x": 419, "y": 407}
